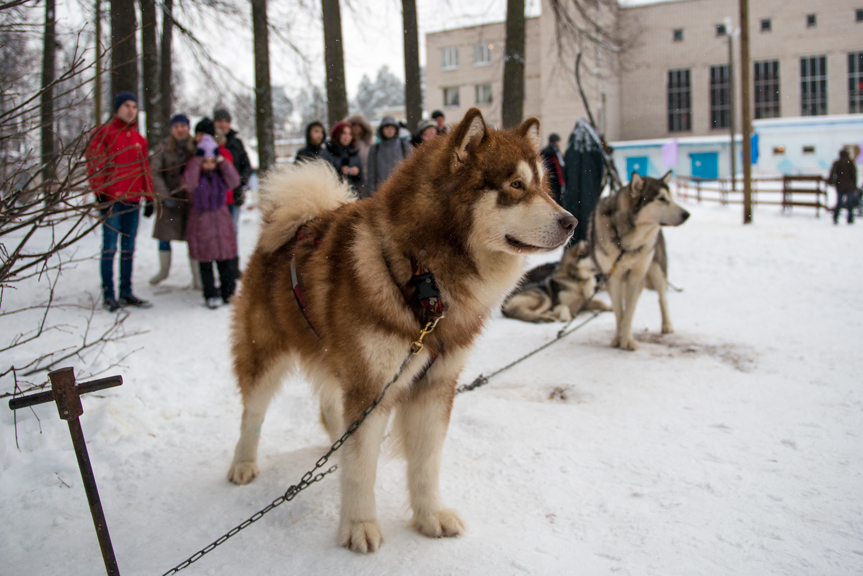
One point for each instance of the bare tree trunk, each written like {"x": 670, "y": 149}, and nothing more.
{"x": 166, "y": 67}
{"x": 124, "y": 51}
{"x": 48, "y": 69}
{"x": 150, "y": 65}
{"x": 97, "y": 107}
{"x": 413, "y": 87}
{"x": 334, "y": 60}
{"x": 512, "y": 107}
{"x": 263, "y": 88}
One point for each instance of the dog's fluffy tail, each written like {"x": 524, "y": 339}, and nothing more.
{"x": 293, "y": 195}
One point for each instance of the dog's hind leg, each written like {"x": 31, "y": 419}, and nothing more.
{"x": 657, "y": 281}
{"x": 421, "y": 424}
{"x": 257, "y": 394}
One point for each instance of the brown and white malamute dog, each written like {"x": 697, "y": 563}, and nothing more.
{"x": 626, "y": 243}
{"x": 466, "y": 207}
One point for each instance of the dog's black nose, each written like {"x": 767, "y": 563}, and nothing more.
{"x": 567, "y": 222}
{"x": 685, "y": 216}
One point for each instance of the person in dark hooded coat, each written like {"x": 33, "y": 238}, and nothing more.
{"x": 315, "y": 135}
{"x": 384, "y": 156}
{"x": 583, "y": 173}
{"x": 341, "y": 152}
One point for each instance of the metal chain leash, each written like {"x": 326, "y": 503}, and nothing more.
{"x": 309, "y": 477}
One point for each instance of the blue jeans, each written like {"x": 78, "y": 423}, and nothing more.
{"x": 121, "y": 219}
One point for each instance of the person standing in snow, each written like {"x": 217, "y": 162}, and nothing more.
{"x": 222, "y": 120}
{"x": 315, "y": 135}
{"x": 210, "y": 232}
{"x": 119, "y": 174}
{"x": 172, "y": 205}
{"x": 440, "y": 122}
{"x": 344, "y": 156}
{"x": 843, "y": 176}
{"x": 384, "y": 156}
{"x": 363, "y": 133}
{"x": 426, "y": 130}
{"x": 554, "y": 164}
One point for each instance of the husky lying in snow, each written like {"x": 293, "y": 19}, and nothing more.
{"x": 627, "y": 246}
{"x": 467, "y": 208}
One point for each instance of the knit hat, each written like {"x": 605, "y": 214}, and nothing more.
{"x": 436, "y": 114}
{"x": 124, "y": 97}
{"x": 207, "y": 147}
{"x": 427, "y": 123}
{"x": 337, "y": 129}
{"x": 221, "y": 114}
{"x": 180, "y": 119}
{"x": 206, "y": 126}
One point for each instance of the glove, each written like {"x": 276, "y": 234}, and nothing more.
{"x": 239, "y": 196}
{"x": 148, "y": 209}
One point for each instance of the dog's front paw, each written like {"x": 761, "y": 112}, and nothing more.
{"x": 243, "y": 472}
{"x": 615, "y": 342}
{"x": 628, "y": 344}
{"x": 361, "y": 536}
{"x": 667, "y": 328}
{"x": 440, "y": 524}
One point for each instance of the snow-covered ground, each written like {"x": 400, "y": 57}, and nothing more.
{"x": 730, "y": 447}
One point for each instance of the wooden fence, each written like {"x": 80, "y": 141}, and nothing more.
{"x": 785, "y": 191}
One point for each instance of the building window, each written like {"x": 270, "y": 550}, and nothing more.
{"x": 813, "y": 86}
{"x": 858, "y": 15}
{"x": 720, "y": 29}
{"x": 766, "y": 25}
{"x": 678, "y": 35}
{"x": 450, "y": 96}
{"x": 767, "y": 89}
{"x": 449, "y": 58}
{"x": 483, "y": 94}
{"x": 778, "y": 150}
{"x": 811, "y": 20}
{"x": 720, "y": 109}
{"x": 679, "y": 105}
{"x": 482, "y": 54}
{"x": 855, "y": 83}
{"x": 809, "y": 149}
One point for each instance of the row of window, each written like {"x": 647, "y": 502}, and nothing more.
{"x": 813, "y": 91}
{"x": 766, "y": 25}
{"x": 481, "y": 56}
{"x": 482, "y": 95}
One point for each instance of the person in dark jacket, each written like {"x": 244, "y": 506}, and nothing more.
{"x": 554, "y": 165}
{"x": 222, "y": 121}
{"x": 426, "y": 130}
{"x": 385, "y": 155}
{"x": 440, "y": 122}
{"x": 344, "y": 156}
{"x": 583, "y": 173}
{"x": 843, "y": 176}
{"x": 315, "y": 135}
{"x": 172, "y": 206}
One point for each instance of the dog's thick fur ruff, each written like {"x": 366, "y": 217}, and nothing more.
{"x": 469, "y": 207}
{"x": 559, "y": 294}
{"x": 626, "y": 243}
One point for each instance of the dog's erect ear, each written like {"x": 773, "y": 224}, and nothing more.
{"x": 530, "y": 129}
{"x": 636, "y": 184}
{"x": 667, "y": 178}
{"x": 471, "y": 130}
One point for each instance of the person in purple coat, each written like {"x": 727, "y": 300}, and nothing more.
{"x": 210, "y": 229}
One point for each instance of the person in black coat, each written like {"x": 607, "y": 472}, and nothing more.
{"x": 344, "y": 156}
{"x": 843, "y": 176}
{"x": 554, "y": 164}
{"x": 583, "y": 173}
{"x": 222, "y": 122}
{"x": 315, "y": 135}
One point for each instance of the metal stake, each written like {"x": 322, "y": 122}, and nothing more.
{"x": 68, "y": 399}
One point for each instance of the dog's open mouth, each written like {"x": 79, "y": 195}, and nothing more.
{"x": 521, "y": 246}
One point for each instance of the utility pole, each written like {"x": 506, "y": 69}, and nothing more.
{"x": 730, "y": 33}
{"x": 747, "y": 114}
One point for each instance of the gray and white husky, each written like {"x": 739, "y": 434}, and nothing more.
{"x": 628, "y": 249}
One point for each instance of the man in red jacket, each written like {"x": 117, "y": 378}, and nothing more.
{"x": 119, "y": 176}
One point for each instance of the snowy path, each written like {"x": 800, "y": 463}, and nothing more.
{"x": 730, "y": 447}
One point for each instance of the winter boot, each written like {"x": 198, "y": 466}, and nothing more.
{"x": 196, "y": 274}
{"x": 164, "y": 267}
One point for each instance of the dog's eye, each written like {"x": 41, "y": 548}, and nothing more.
{"x": 517, "y": 185}
{"x": 664, "y": 200}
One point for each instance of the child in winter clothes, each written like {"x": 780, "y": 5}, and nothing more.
{"x": 210, "y": 232}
